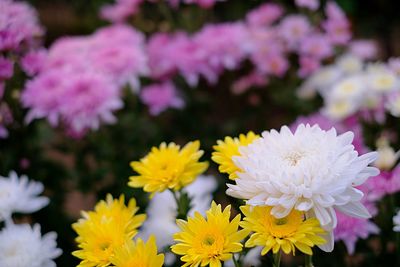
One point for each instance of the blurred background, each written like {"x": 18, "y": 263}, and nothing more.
{"x": 79, "y": 171}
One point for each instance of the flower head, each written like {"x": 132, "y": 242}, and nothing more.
{"x": 23, "y": 246}
{"x": 225, "y": 150}
{"x": 18, "y": 194}
{"x": 138, "y": 254}
{"x": 350, "y": 230}
{"x": 102, "y": 231}
{"x": 209, "y": 241}
{"x": 310, "y": 170}
{"x": 287, "y": 233}
{"x": 168, "y": 167}
{"x": 162, "y": 210}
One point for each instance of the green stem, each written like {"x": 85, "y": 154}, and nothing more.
{"x": 237, "y": 264}
{"x": 308, "y": 261}
{"x": 277, "y": 259}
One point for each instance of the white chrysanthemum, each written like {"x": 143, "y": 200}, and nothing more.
{"x": 23, "y": 246}
{"x": 161, "y": 210}
{"x": 310, "y": 170}
{"x": 20, "y": 195}
{"x": 396, "y": 222}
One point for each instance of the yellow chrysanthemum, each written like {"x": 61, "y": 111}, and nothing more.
{"x": 138, "y": 254}
{"x": 106, "y": 228}
{"x": 225, "y": 150}
{"x": 288, "y": 233}
{"x": 209, "y": 241}
{"x": 168, "y": 167}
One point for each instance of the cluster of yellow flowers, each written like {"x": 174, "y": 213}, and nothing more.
{"x": 105, "y": 235}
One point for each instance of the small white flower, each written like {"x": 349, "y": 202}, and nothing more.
{"x": 340, "y": 109}
{"x": 383, "y": 81}
{"x": 19, "y": 195}
{"x": 161, "y": 210}
{"x": 310, "y": 170}
{"x": 387, "y": 157}
{"x": 23, "y": 246}
{"x": 351, "y": 88}
{"x": 350, "y": 63}
{"x": 396, "y": 222}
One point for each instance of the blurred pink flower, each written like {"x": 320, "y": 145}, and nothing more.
{"x": 308, "y": 65}
{"x": 364, "y": 49}
{"x": 386, "y": 183}
{"x": 33, "y": 62}
{"x": 350, "y": 230}
{"x": 120, "y": 10}
{"x": 337, "y": 26}
{"x": 6, "y": 119}
{"x": 18, "y": 24}
{"x": 246, "y": 82}
{"x": 264, "y": 15}
{"x": 293, "y": 28}
{"x": 310, "y": 4}
{"x": 81, "y": 100}
{"x": 159, "y": 97}
{"x": 317, "y": 46}
{"x": 6, "y": 68}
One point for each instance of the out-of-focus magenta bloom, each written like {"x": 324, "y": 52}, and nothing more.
{"x": 159, "y": 97}
{"x": 6, "y": 119}
{"x": 203, "y": 3}
{"x": 80, "y": 80}
{"x": 264, "y": 15}
{"x": 394, "y": 65}
{"x": 350, "y": 230}
{"x": 205, "y": 54}
{"x": 294, "y": 28}
{"x": 33, "y": 62}
{"x": 79, "y": 100}
{"x": 308, "y": 65}
{"x": 246, "y": 82}
{"x": 364, "y": 49}
{"x": 337, "y": 26}
{"x": 310, "y": 4}
{"x": 386, "y": 183}
{"x": 120, "y": 10}
{"x": 317, "y": 46}
{"x": 6, "y": 68}
{"x": 18, "y": 25}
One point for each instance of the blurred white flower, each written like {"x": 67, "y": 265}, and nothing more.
{"x": 161, "y": 210}
{"x": 339, "y": 109}
{"x": 23, "y": 246}
{"x": 393, "y": 104}
{"x": 387, "y": 156}
{"x": 350, "y": 63}
{"x": 396, "y": 222}
{"x": 383, "y": 80}
{"x": 351, "y": 88}
{"x": 18, "y": 194}
{"x": 310, "y": 170}
{"x": 251, "y": 259}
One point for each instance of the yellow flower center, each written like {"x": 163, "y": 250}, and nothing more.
{"x": 283, "y": 227}
{"x": 211, "y": 243}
